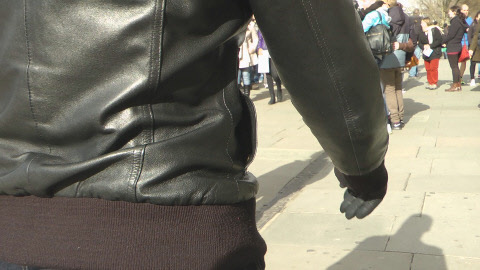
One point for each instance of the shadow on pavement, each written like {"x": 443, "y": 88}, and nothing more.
{"x": 412, "y": 108}
{"x": 411, "y": 83}
{"x": 321, "y": 164}
{"x": 263, "y": 93}
{"x": 406, "y": 240}
{"x": 476, "y": 88}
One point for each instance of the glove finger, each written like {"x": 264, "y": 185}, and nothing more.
{"x": 347, "y": 200}
{"x": 367, "y": 207}
{"x": 353, "y": 207}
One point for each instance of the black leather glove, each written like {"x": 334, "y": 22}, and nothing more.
{"x": 364, "y": 192}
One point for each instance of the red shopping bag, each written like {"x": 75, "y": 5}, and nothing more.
{"x": 464, "y": 56}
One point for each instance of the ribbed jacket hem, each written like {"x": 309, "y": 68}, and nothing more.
{"x": 85, "y": 233}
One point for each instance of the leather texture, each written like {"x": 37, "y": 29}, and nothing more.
{"x": 137, "y": 100}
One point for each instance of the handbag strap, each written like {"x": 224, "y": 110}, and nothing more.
{"x": 380, "y": 16}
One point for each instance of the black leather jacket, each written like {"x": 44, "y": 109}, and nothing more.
{"x": 137, "y": 100}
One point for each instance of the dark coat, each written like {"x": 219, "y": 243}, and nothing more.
{"x": 436, "y": 44}
{"x": 398, "y": 20}
{"x": 475, "y": 33}
{"x": 415, "y": 28}
{"x": 457, "y": 29}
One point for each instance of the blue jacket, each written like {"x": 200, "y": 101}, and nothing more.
{"x": 373, "y": 19}
{"x": 469, "y": 21}
{"x": 397, "y": 58}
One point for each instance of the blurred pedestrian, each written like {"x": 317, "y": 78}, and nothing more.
{"x": 391, "y": 65}
{"x": 457, "y": 29}
{"x": 431, "y": 44}
{"x": 469, "y": 20}
{"x": 247, "y": 58}
{"x": 414, "y": 33}
{"x": 474, "y": 49}
{"x": 268, "y": 68}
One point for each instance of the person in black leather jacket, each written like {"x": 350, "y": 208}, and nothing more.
{"x": 125, "y": 142}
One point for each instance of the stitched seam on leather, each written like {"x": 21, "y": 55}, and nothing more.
{"x": 29, "y": 86}
{"x": 152, "y": 44}
{"x": 155, "y": 63}
{"x": 28, "y": 169}
{"x": 230, "y": 136}
{"x": 231, "y": 122}
{"x": 332, "y": 72}
{"x": 136, "y": 169}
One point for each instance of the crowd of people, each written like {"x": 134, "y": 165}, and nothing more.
{"x": 255, "y": 62}
{"x": 415, "y": 37}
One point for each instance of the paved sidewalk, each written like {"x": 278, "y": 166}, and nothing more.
{"x": 430, "y": 218}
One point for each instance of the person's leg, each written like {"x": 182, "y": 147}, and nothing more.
{"x": 398, "y": 92}
{"x": 429, "y": 72}
{"x": 473, "y": 65}
{"x": 246, "y": 76}
{"x": 271, "y": 91}
{"x": 463, "y": 67}
{"x": 472, "y": 70}
{"x": 453, "y": 61}
{"x": 239, "y": 78}
{"x": 387, "y": 76}
{"x": 434, "y": 71}
{"x": 414, "y": 70}
{"x": 278, "y": 82}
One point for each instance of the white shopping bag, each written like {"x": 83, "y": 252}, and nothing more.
{"x": 263, "y": 62}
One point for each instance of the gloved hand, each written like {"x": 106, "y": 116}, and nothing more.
{"x": 364, "y": 192}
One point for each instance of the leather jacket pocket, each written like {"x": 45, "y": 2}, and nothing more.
{"x": 247, "y": 130}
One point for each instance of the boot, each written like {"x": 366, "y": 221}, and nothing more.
{"x": 272, "y": 96}
{"x": 246, "y": 90}
{"x": 279, "y": 94}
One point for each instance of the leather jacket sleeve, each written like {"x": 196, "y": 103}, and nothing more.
{"x": 322, "y": 57}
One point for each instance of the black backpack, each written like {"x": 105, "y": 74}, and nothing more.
{"x": 380, "y": 38}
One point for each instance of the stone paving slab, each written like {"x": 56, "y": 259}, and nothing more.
{"x": 444, "y": 183}
{"x": 435, "y": 235}
{"x": 396, "y": 203}
{"x": 399, "y": 165}
{"x": 405, "y": 141}
{"x": 422, "y": 262}
{"x": 328, "y": 230}
{"x": 455, "y": 167}
{"x": 449, "y": 152}
{"x": 314, "y": 258}
{"x": 463, "y": 141}
{"x": 457, "y": 206}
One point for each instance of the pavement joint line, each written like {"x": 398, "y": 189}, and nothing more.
{"x": 406, "y": 182}
{"x": 411, "y": 261}
{"x": 423, "y": 203}
{"x": 390, "y": 234}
